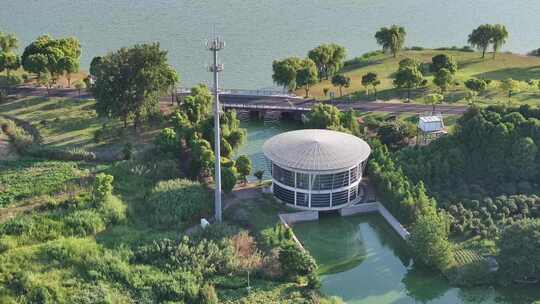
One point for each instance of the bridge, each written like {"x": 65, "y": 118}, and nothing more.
{"x": 264, "y": 100}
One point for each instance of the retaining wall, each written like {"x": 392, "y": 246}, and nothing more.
{"x": 377, "y": 207}
{"x": 288, "y": 219}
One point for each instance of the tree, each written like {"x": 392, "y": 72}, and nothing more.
{"x": 409, "y": 63}
{"x": 79, "y": 85}
{"x": 130, "y": 81}
{"x": 8, "y": 59}
{"x": 8, "y": 42}
{"x": 102, "y": 187}
{"x": 296, "y": 261}
{"x": 509, "y": 85}
{"x": 285, "y": 72}
{"x": 499, "y": 34}
{"x": 443, "y": 79}
{"x": 46, "y": 80}
{"x": 307, "y": 75}
{"x": 433, "y": 99}
{"x": 477, "y": 85}
{"x": 328, "y": 59}
{"x": 481, "y": 38}
{"x": 371, "y": 79}
{"x": 429, "y": 240}
{"x": 341, "y": 81}
{"x": 68, "y": 65}
{"x": 50, "y": 55}
{"x": 443, "y": 61}
{"x": 243, "y": 167}
{"x": 470, "y": 96}
{"x": 228, "y": 179}
{"x": 259, "y": 175}
{"x": 391, "y": 39}
{"x": 519, "y": 255}
{"x": 323, "y": 116}
{"x": 395, "y": 134}
{"x": 408, "y": 78}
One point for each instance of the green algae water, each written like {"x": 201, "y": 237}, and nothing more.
{"x": 258, "y": 32}
{"x": 363, "y": 261}
{"x": 258, "y": 131}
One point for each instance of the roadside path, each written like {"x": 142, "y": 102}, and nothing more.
{"x": 374, "y": 106}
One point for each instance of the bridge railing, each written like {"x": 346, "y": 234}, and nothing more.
{"x": 264, "y": 107}
{"x": 260, "y": 92}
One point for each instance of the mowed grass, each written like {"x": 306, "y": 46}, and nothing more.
{"x": 505, "y": 65}
{"x": 71, "y": 123}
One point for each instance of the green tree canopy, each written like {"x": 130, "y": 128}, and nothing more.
{"x": 433, "y": 99}
{"x": 429, "y": 239}
{"x": 285, "y": 72}
{"x": 443, "y": 61}
{"x": 47, "y": 54}
{"x": 480, "y": 37}
{"x": 371, "y": 80}
{"x": 341, "y": 81}
{"x": 9, "y": 60}
{"x": 243, "y": 166}
{"x": 228, "y": 179}
{"x": 519, "y": 255}
{"x": 323, "y": 116}
{"x": 410, "y": 63}
{"x": 408, "y": 78}
{"x": 477, "y": 85}
{"x": 328, "y": 58}
{"x": 307, "y": 75}
{"x": 130, "y": 81}
{"x": 499, "y": 36}
{"x": 443, "y": 79}
{"x": 391, "y": 39}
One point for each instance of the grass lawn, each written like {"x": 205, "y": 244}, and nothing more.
{"x": 71, "y": 123}
{"x": 505, "y": 65}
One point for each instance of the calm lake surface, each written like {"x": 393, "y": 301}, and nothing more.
{"x": 258, "y": 32}
{"x": 364, "y": 262}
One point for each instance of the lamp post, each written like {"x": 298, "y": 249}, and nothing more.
{"x": 214, "y": 45}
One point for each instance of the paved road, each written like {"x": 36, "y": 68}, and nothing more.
{"x": 379, "y": 106}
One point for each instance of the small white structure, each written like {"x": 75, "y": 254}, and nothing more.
{"x": 316, "y": 169}
{"x": 430, "y": 127}
{"x": 204, "y": 223}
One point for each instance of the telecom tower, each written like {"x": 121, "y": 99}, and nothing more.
{"x": 214, "y": 45}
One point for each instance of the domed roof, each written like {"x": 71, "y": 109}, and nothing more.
{"x": 316, "y": 150}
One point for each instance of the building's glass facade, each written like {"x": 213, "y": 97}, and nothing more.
{"x": 317, "y": 191}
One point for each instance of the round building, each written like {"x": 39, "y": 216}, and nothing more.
{"x": 316, "y": 169}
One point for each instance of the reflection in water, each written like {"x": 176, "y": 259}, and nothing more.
{"x": 258, "y": 131}
{"x": 385, "y": 273}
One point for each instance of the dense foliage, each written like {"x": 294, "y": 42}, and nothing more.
{"x": 129, "y": 82}
{"x": 487, "y": 217}
{"x": 175, "y": 203}
{"x": 519, "y": 256}
{"x": 27, "y": 178}
{"x": 494, "y": 151}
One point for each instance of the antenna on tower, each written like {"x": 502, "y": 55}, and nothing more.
{"x": 214, "y": 45}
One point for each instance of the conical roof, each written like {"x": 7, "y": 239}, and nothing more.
{"x": 316, "y": 150}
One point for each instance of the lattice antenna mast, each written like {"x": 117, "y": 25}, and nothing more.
{"x": 214, "y": 45}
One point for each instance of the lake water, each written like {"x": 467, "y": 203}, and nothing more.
{"x": 258, "y": 32}
{"x": 363, "y": 261}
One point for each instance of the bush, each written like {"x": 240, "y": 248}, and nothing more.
{"x": 313, "y": 281}
{"x": 59, "y": 154}
{"x": 176, "y": 202}
{"x": 166, "y": 141}
{"x": 102, "y": 188}
{"x": 208, "y": 295}
{"x": 296, "y": 261}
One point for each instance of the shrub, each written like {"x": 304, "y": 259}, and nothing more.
{"x": 208, "y": 295}
{"x": 102, "y": 188}
{"x": 127, "y": 151}
{"x": 295, "y": 261}
{"x": 177, "y": 202}
{"x": 167, "y": 141}
{"x": 60, "y": 154}
{"x": 228, "y": 179}
{"x": 313, "y": 281}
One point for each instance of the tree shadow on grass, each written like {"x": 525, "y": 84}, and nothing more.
{"x": 521, "y": 74}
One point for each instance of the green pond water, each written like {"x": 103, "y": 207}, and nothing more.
{"x": 364, "y": 262}
{"x": 258, "y": 32}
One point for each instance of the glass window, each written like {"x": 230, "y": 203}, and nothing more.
{"x": 340, "y": 198}
{"x": 323, "y": 182}
{"x": 341, "y": 180}
{"x": 302, "y": 181}
{"x": 283, "y": 176}
{"x": 283, "y": 194}
{"x": 354, "y": 174}
{"x": 320, "y": 200}
{"x": 302, "y": 199}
